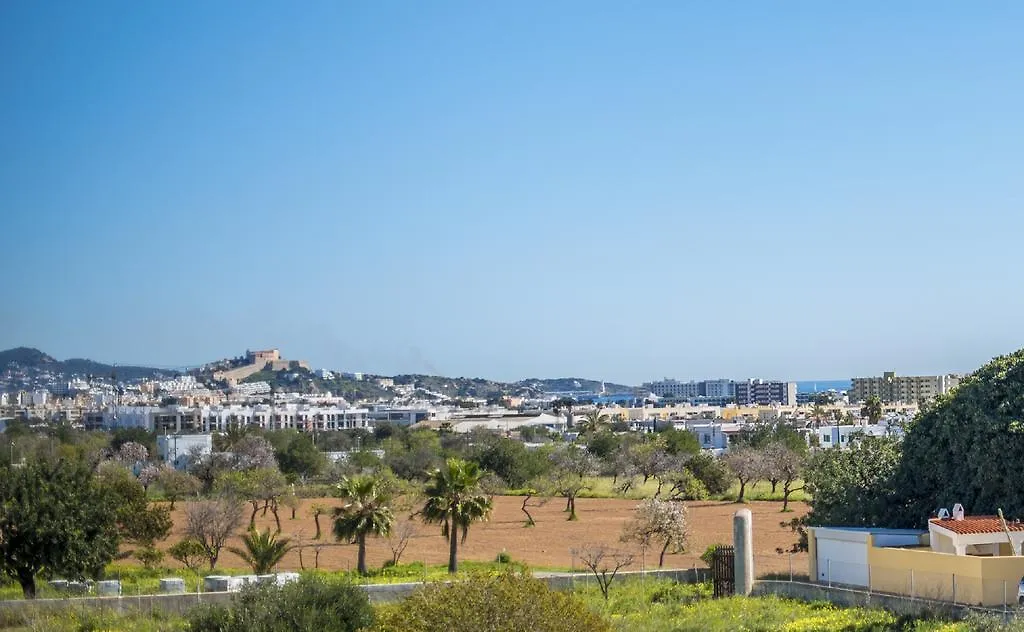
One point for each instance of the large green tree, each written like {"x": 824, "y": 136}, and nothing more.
{"x": 138, "y": 521}
{"x": 54, "y": 517}
{"x": 855, "y": 486}
{"x": 367, "y": 511}
{"x": 968, "y": 447}
{"x": 455, "y": 501}
{"x": 296, "y": 455}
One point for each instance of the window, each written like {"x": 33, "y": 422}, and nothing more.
{"x": 826, "y": 438}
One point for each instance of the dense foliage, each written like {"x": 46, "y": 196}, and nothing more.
{"x": 969, "y": 446}
{"x": 54, "y": 517}
{"x": 855, "y": 486}
{"x": 965, "y": 448}
{"x": 312, "y": 603}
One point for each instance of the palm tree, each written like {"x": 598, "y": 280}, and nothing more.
{"x": 455, "y": 501}
{"x": 262, "y": 551}
{"x": 872, "y": 409}
{"x": 366, "y": 512}
{"x": 224, "y": 441}
{"x": 593, "y": 421}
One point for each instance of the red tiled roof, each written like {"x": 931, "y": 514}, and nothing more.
{"x": 971, "y": 525}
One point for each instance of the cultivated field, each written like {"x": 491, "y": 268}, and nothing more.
{"x": 547, "y": 545}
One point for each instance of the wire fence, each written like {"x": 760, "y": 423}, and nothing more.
{"x": 897, "y": 589}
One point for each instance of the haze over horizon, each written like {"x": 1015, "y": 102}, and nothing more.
{"x": 800, "y": 191}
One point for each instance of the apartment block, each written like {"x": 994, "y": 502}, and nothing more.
{"x": 765, "y": 393}
{"x": 902, "y": 388}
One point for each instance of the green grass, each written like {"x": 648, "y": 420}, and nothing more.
{"x": 634, "y": 605}
{"x": 603, "y": 487}
{"x": 665, "y": 606}
{"x": 140, "y": 581}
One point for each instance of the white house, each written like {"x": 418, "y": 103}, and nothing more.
{"x": 840, "y": 436}
{"x": 713, "y": 436}
{"x": 174, "y": 449}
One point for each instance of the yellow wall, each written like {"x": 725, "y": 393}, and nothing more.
{"x": 928, "y": 574}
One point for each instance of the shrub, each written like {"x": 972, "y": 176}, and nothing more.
{"x": 503, "y": 558}
{"x": 712, "y": 472}
{"x": 150, "y": 556}
{"x": 210, "y": 618}
{"x": 509, "y": 601}
{"x": 312, "y": 603}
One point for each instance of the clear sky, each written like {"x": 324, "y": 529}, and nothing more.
{"x": 611, "y": 190}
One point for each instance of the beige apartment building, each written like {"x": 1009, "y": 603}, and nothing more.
{"x": 902, "y": 388}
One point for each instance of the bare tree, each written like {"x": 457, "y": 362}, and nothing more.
{"x": 572, "y": 467}
{"x": 316, "y": 510}
{"x": 604, "y": 563}
{"x": 658, "y": 522}
{"x": 211, "y": 523}
{"x": 748, "y": 466}
{"x": 525, "y": 508}
{"x": 785, "y": 465}
{"x": 401, "y": 532}
{"x": 650, "y": 459}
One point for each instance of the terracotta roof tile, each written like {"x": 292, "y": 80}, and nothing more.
{"x": 977, "y": 524}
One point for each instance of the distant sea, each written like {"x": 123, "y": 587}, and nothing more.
{"x": 816, "y": 386}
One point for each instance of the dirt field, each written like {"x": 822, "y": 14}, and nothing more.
{"x": 546, "y": 545}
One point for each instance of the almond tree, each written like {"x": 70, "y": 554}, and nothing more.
{"x": 785, "y": 465}
{"x": 573, "y": 467}
{"x": 658, "y": 522}
{"x": 211, "y": 523}
{"x": 747, "y": 464}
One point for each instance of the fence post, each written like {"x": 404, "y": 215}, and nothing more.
{"x": 913, "y": 594}
{"x": 829, "y": 571}
{"x": 954, "y": 588}
{"x": 1004, "y": 602}
{"x": 791, "y": 568}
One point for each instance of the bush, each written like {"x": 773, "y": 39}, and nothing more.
{"x": 503, "y": 558}
{"x": 711, "y": 471}
{"x": 312, "y": 603}
{"x": 509, "y": 601}
{"x": 210, "y": 618}
{"x": 150, "y": 556}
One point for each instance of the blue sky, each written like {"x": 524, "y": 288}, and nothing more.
{"x": 610, "y": 190}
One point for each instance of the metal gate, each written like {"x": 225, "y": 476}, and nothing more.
{"x": 723, "y": 571}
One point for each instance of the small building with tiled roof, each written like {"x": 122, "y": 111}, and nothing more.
{"x": 975, "y": 535}
{"x": 961, "y": 559}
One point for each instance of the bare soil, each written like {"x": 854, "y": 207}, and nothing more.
{"x": 546, "y": 545}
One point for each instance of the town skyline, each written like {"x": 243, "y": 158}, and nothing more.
{"x": 539, "y": 376}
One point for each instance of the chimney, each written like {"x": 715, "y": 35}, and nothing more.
{"x": 958, "y": 512}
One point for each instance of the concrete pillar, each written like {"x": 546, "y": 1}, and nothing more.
{"x": 743, "y": 541}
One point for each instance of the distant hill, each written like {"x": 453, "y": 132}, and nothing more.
{"x": 34, "y": 359}
{"x": 26, "y": 357}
